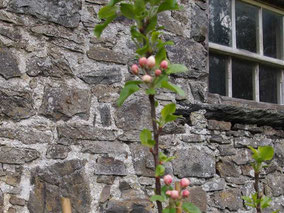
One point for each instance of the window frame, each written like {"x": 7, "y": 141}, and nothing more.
{"x": 258, "y": 58}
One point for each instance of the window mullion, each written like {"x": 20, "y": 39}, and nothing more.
{"x": 260, "y": 32}
{"x": 256, "y": 83}
{"x": 229, "y": 86}
{"x": 234, "y": 39}
{"x": 280, "y": 88}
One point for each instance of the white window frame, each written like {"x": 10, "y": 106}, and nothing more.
{"x": 258, "y": 57}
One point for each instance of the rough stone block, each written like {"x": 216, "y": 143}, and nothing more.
{"x": 103, "y": 147}
{"x": 63, "y": 12}
{"x": 140, "y": 155}
{"x": 134, "y": 114}
{"x": 198, "y": 197}
{"x": 105, "y": 115}
{"x": 219, "y": 125}
{"x": 73, "y": 133}
{"x": 103, "y": 76}
{"x": 12, "y": 155}
{"x": 194, "y": 163}
{"x": 63, "y": 102}
{"x": 14, "y": 200}
{"x": 26, "y": 135}
{"x": 57, "y": 151}
{"x": 227, "y": 168}
{"x": 8, "y": 65}
{"x": 60, "y": 179}
{"x": 106, "y": 55}
{"x": 110, "y": 166}
{"x": 230, "y": 199}
{"x": 16, "y": 105}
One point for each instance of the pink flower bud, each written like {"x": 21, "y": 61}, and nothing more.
{"x": 134, "y": 69}
{"x": 168, "y": 193}
{"x": 151, "y": 62}
{"x": 142, "y": 61}
{"x": 168, "y": 179}
{"x": 164, "y": 64}
{"x": 184, "y": 183}
{"x": 174, "y": 194}
{"x": 147, "y": 78}
{"x": 158, "y": 72}
{"x": 185, "y": 193}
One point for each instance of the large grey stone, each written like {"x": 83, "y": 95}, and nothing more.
{"x": 66, "y": 179}
{"x": 110, "y": 166}
{"x": 227, "y": 168}
{"x": 106, "y": 55}
{"x": 57, "y": 151}
{"x": 194, "y": 162}
{"x": 103, "y": 76}
{"x": 131, "y": 205}
{"x": 198, "y": 197}
{"x": 73, "y": 133}
{"x": 279, "y": 153}
{"x": 12, "y": 155}
{"x": 16, "y": 105}
{"x": 102, "y": 147}
{"x": 63, "y": 12}
{"x": 8, "y": 65}
{"x": 134, "y": 114}
{"x": 47, "y": 66}
{"x": 63, "y": 102}
{"x": 26, "y": 135}
{"x": 105, "y": 115}
{"x": 230, "y": 199}
{"x": 199, "y": 22}
{"x": 275, "y": 182}
{"x": 140, "y": 157}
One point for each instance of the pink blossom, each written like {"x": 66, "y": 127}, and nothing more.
{"x": 151, "y": 62}
{"x": 164, "y": 64}
{"x": 134, "y": 69}
{"x": 147, "y": 78}
{"x": 174, "y": 194}
{"x": 184, "y": 183}
{"x": 142, "y": 61}
{"x": 168, "y": 179}
{"x": 158, "y": 72}
{"x": 185, "y": 193}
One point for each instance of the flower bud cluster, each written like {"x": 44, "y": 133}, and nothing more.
{"x": 148, "y": 64}
{"x": 174, "y": 194}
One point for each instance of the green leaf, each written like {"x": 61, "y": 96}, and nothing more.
{"x": 107, "y": 11}
{"x": 157, "y": 198}
{"x": 114, "y": 2}
{"x": 168, "y": 110}
{"x": 160, "y": 171}
{"x": 150, "y": 91}
{"x": 152, "y": 24}
{"x": 156, "y": 104}
{"x": 161, "y": 55}
{"x": 265, "y": 202}
{"x": 266, "y": 152}
{"x": 133, "y": 82}
{"x": 190, "y": 208}
{"x": 146, "y": 138}
{"x": 127, "y": 10}
{"x": 168, "y": 5}
{"x": 169, "y": 210}
{"x": 162, "y": 44}
{"x": 99, "y": 28}
{"x": 155, "y": 36}
{"x": 172, "y": 87}
{"x": 155, "y": 2}
{"x": 176, "y": 68}
{"x": 141, "y": 51}
{"x": 128, "y": 90}
{"x": 139, "y": 6}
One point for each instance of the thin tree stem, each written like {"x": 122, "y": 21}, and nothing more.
{"x": 155, "y": 152}
{"x": 256, "y": 188}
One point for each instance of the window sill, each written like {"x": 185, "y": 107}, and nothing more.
{"x": 238, "y": 111}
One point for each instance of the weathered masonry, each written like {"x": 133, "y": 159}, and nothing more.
{"x": 61, "y": 133}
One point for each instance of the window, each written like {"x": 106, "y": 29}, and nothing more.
{"x": 246, "y": 46}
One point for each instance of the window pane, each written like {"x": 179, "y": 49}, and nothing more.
{"x": 271, "y": 34}
{"x": 268, "y": 84}
{"x": 217, "y": 74}
{"x": 220, "y": 24}
{"x": 246, "y": 26}
{"x": 242, "y": 79}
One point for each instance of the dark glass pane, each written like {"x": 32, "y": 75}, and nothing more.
{"x": 271, "y": 34}
{"x": 246, "y": 26}
{"x": 242, "y": 79}
{"x": 268, "y": 84}
{"x": 220, "y": 24}
{"x": 217, "y": 74}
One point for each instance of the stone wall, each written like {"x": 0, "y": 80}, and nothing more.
{"x": 61, "y": 133}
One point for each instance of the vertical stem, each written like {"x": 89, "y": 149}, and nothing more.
{"x": 156, "y": 149}
{"x": 179, "y": 206}
{"x": 66, "y": 205}
{"x": 256, "y": 188}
